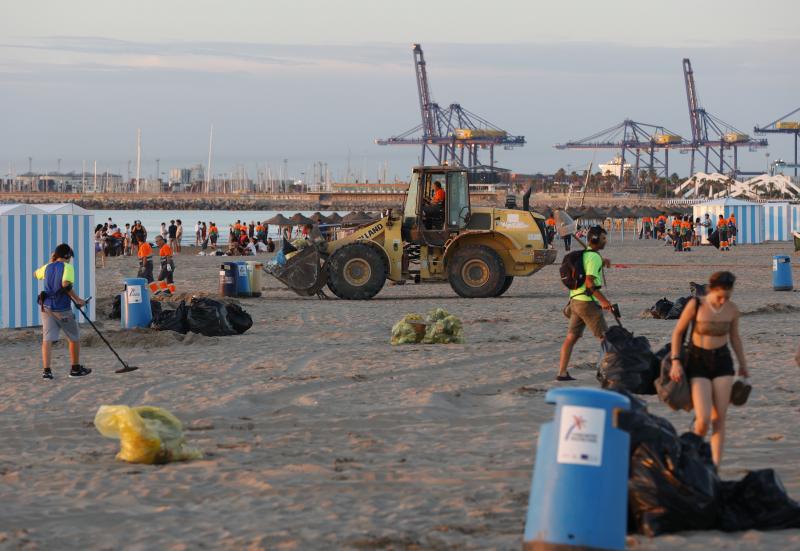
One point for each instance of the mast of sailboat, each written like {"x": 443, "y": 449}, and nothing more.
{"x": 586, "y": 183}
{"x": 138, "y": 158}
{"x": 208, "y": 167}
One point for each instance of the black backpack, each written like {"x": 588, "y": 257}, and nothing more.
{"x": 573, "y": 276}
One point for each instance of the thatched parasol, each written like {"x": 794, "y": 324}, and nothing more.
{"x": 301, "y": 220}
{"x": 279, "y": 220}
{"x": 319, "y": 218}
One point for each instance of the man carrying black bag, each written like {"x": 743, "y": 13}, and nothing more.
{"x": 582, "y": 273}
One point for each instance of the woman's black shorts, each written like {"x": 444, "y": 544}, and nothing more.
{"x": 709, "y": 364}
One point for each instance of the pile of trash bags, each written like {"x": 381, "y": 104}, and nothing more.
{"x": 206, "y": 316}
{"x": 628, "y": 363}
{"x": 673, "y": 484}
{"x": 147, "y": 434}
{"x": 439, "y": 327}
{"x": 665, "y": 309}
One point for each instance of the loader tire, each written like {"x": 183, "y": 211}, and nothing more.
{"x": 356, "y": 272}
{"x": 506, "y": 284}
{"x": 476, "y": 272}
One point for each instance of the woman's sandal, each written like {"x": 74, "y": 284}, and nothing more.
{"x": 740, "y": 392}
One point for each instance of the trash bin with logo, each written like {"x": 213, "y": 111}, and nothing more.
{"x": 228, "y": 276}
{"x": 579, "y": 493}
{"x": 242, "y": 279}
{"x": 135, "y": 302}
{"x": 782, "y": 273}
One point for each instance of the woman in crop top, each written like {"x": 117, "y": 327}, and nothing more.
{"x": 714, "y": 322}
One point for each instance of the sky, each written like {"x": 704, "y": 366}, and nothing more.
{"x": 313, "y": 80}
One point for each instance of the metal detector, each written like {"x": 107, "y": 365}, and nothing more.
{"x": 125, "y": 367}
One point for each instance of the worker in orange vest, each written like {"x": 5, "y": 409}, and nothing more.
{"x": 686, "y": 234}
{"x": 550, "y": 228}
{"x": 166, "y": 276}
{"x": 145, "y": 254}
{"x": 732, "y": 230}
{"x": 647, "y": 227}
{"x": 676, "y": 233}
{"x": 722, "y": 228}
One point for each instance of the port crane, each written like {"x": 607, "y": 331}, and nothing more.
{"x": 784, "y": 126}
{"x": 648, "y": 144}
{"x": 711, "y": 135}
{"x": 451, "y": 135}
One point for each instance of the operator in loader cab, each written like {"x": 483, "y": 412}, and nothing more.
{"x": 434, "y": 207}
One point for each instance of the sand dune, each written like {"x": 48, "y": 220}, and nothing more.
{"x": 319, "y": 434}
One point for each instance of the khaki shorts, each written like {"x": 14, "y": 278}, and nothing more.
{"x": 55, "y": 322}
{"x": 586, "y": 313}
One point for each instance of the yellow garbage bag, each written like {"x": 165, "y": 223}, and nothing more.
{"x": 147, "y": 434}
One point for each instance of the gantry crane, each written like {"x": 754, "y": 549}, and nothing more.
{"x": 711, "y": 135}
{"x": 642, "y": 140}
{"x": 783, "y": 126}
{"x": 449, "y": 135}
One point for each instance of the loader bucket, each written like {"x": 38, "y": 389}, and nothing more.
{"x": 303, "y": 273}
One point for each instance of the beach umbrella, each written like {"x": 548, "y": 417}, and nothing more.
{"x": 354, "y": 218}
{"x": 319, "y": 218}
{"x": 334, "y": 218}
{"x": 301, "y": 220}
{"x": 279, "y": 220}
{"x": 575, "y": 212}
{"x": 615, "y": 212}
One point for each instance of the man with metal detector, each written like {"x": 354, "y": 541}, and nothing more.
{"x": 582, "y": 273}
{"x": 56, "y": 305}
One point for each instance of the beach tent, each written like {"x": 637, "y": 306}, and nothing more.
{"x": 28, "y": 235}
{"x": 794, "y": 218}
{"x": 777, "y": 221}
{"x": 749, "y": 217}
{"x": 300, "y": 219}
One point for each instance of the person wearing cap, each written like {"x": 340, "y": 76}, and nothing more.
{"x": 56, "y": 305}
{"x": 145, "y": 255}
{"x": 166, "y": 275}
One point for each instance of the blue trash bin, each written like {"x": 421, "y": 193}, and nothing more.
{"x": 781, "y": 273}
{"x": 228, "y": 277}
{"x": 135, "y": 302}
{"x": 579, "y": 493}
{"x": 242, "y": 279}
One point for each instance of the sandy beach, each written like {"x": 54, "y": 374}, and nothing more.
{"x": 318, "y": 434}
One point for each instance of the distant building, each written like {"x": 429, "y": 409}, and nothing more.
{"x": 614, "y": 168}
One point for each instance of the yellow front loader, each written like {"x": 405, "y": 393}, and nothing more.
{"x": 478, "y": 250}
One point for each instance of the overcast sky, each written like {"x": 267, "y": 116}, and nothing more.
{"x": 321, "y": 80}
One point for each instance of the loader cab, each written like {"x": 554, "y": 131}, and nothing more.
{"x": 427, "y": 221}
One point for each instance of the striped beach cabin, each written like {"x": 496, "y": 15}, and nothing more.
{"x": 28, "y": 236}
{"x": 794, "y": 218}
{"x": 749, "y": 217}
{"x": 777, "y": 221}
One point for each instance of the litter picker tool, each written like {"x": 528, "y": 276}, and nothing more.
{"x": 125, "y": 367}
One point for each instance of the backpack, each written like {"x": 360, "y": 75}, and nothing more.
{"x": 572, "y": 272}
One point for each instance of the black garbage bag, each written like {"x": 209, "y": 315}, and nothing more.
{"x": 677, "y": 308}
{"x": 116, "y": 308}
{"x": 208, "y": 317}
{"x": 713, "y": 238}
{"x": 628, "y": 362}
{"x": 672, "y": 485}
{"x": 155, "y": 308}
{"x": 661, "y": 308}
{"x": 172, "y": 320}
{"x": 238, "y": 318}
{"x": 697, "y": 289}
{"x": 758, "y": 501}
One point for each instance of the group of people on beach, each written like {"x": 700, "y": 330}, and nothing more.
{"x": 676, "y": 230}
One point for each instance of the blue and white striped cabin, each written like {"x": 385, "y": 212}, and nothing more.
{"x": 28, "y": 236}
{"x": 749, "y": 217}
{"x": 777, "y": 221}
{"x": 794, "y": 218}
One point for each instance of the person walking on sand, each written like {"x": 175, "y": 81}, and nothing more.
{"x": 587, "y": 302}
{"x": 178, "y": 236}
{"x": 172, "y": 232}
{"x": 714, "y": 322}
{"x": 167, "y": 272}
{"x": 197, "y": 240}
{"x": 145, "y": 255}
{"x": 56, "y": 305}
